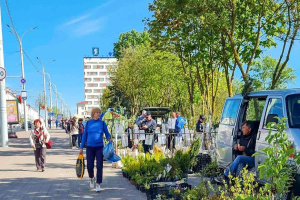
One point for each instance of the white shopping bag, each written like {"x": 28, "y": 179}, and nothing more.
{"x": 161, "y": 139}
{"x": 149, "y": 139}
{"x": 178, "y": 140}
{"x": 142, "y": 135}
{"x": 124, "y": 140}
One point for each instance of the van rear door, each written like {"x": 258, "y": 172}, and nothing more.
{"x": 227, "y": 129}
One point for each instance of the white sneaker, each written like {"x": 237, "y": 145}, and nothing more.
{"x": 92, "y": 183}
{"x": 98, "y": 188}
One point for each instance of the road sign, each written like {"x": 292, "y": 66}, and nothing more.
{"x": 24, "y": 94}
{"x": 23, "y": 81}
{"x": 51, "y": 114}
{"x": 2, "y": 73}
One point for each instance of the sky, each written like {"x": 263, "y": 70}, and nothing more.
{"x": 66, "y": 32}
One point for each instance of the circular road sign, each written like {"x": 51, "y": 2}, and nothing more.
{"x": 2, "y": 73}
{"x": 23, "y": 81}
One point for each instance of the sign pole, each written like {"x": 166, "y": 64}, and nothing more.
{"x": 3, "y": 115}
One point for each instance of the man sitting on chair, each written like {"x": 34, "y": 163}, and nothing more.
{"x": 245, "y": 149}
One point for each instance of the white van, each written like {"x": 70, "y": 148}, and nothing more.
{"x": 259, "y": 108}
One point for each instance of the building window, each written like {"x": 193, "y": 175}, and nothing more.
{"x": 102, "y": 73}
{"x": 87, "y": 66}
{"x": 92, "y": 84}
{"x": 96, "y": 102}
{"x": 96, "y": 90}
{"x": 87, "y": 79}
{"x": 98, "y": 67}
{"x": 88, "y": 90}
{"x": 102, "y": 84}
{"x": 90, "y": 103}
{"x": 92, "y": 73}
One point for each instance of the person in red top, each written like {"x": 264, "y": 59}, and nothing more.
{"x": 80, "y": 130}
{"x": 38, "y": 137}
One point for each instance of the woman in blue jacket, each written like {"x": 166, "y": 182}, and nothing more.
{"x": 93, "y": 135}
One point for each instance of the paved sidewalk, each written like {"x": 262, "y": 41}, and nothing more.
{"x": 20, "y": 180}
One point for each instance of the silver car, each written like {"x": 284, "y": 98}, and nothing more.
{"x": 259, "y": 108}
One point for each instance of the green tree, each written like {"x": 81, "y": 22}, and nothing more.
{"x": 264, "y": 70}
{"x": 130, "y": 39}
{"x": 148, "y": 77}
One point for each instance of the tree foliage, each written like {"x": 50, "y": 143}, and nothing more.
{"x": 130, "y": 39}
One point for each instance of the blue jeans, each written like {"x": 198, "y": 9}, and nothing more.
{"x": 239, "y": 160}
{"x": 79, "y": 138}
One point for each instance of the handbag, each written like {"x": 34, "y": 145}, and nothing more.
{"x": 49, "y": 144}
{"x": 80, "y": 166}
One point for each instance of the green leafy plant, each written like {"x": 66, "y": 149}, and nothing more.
{"x": 211, "y": 170}
{"x": 278, "y": 168}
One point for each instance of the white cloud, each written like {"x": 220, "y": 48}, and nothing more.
{"x": 86, "y": 23}
{"x": 76, "y": 20}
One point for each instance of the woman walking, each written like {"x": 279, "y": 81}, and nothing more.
{"x": 38, "y": 137}
{"x": 93, "y": 134}
{"x": 74, "y": 132}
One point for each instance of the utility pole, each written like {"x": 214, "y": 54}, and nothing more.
{"x": 44, "y": 83}
{"x": 19, "y": 39}
{"x": 3, "y": 116}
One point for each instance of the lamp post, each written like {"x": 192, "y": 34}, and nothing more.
{"x": 56, "y": 105}
{"x": 44, "y": 83}
{"x": 3, "y": 116}
{"x": 50, "y": 92}
{"x": 19, "y": 39}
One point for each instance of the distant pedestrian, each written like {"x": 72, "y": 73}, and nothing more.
{"x": 49, "y": 123}
{"x": 93, "y": 134}
{"x": 56, "y": 123}
{"x": 74, "y": 132}
{"x": 200, "y": 124}
{"x": 80, "y": 131}
{"x": 38, "y": 137}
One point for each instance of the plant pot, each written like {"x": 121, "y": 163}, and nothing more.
{"x": 132, "y": 182}
{"x": 142, "y": 189}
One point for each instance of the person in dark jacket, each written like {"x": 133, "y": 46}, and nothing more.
{"x": 245, "y": 149}
{"x": 200, "y": 124}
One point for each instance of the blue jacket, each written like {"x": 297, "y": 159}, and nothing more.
{"x": 179, "y": 124}
{"x": 93, "y": 133}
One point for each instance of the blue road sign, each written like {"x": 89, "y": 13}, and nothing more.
{"x": 95, "y": 51}
{"x": 23, "y": 81}
{"x": 24, "y": 98}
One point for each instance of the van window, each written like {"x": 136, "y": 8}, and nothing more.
{"x": 230, "y": 111}
{"x": 274, "y": 109}
{"x": 293, "y": 110}
{"x": 255, "y": 109}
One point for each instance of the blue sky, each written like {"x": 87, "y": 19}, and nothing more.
{"x": 67, "y": 31}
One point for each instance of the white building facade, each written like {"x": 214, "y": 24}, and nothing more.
{"x": 96, "y": 79}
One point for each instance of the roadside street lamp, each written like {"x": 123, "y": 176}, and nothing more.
{"x": 55, "y": 97}
{"x": 19, "y": 39}
{"x": 44, "y": 83}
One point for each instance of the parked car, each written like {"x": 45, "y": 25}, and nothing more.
{"x": 260, "y": 108}
{"x": 29, "y": 125}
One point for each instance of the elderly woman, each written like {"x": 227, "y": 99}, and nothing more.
{"x": 93, "y": 135}
{"x": 38, "y": 137}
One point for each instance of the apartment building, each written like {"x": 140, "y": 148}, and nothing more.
{"x": 96, "y": 79}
